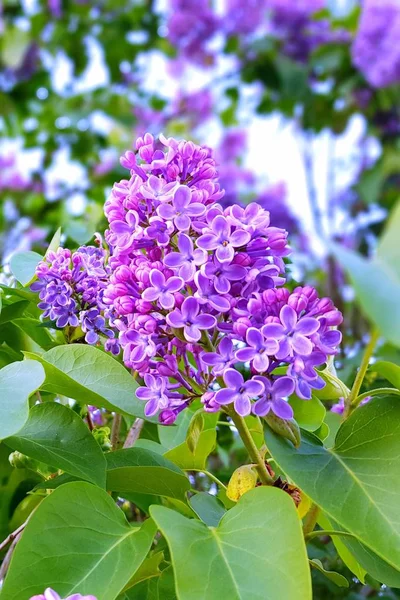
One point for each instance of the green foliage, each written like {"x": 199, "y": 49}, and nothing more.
{"x": 91, "y": 376}
{"x": 55, "y": 435}
{"x": 100, "y": 550}
{"x": 362, "y": 462}
{"x": 135, "y": 470}
{"x": 242, "y": 557}
{"x": 17, "y": 382}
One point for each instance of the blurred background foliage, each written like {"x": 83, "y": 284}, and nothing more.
{"x": 80, "y": 80}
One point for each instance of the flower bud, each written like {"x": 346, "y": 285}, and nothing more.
{"x": 288, "y": 429}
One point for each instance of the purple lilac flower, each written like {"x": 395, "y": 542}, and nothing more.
{"x": 306, "y": 378}
{"x": 258, "y": 349}
{"x": 154, "y": 393}
{"x": 187, "y": 259}
{"x": 50, "y": 594}
{"x": 207, "y": 294}
{"x": 273, "y": 397}
{"x": 375, "y": 50}
{"x": 220, "y": 238}
{"x": 239, "y": 392}
{"x": 222, "y": 359}
{"x": 162, "y": 290}
{"x": 292, "y": 333}
{"x": 222, "y": 274}
{"x": 181, "y": 209}
{"x": 189, "y": 318}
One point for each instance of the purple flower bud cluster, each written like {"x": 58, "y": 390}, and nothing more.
{"x": 50, "y": 594}
{"x": 195, "y": 291}
{"x": 71, "y": 287}
{"x": 375, "y": 50}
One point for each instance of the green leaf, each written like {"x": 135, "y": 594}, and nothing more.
{"x": 389, "y": 248}
{"x": 347, "y": 557}
{"x": 184, "y": 458}
{"x": 389, "y": 371}
{"x": 12, "y": 311}
{"x": 356, "y": 483}
{"x": 309, "y": 414}
{"x": 208, "y": 508}
{"x": 148, "y": 569}
{"x": 56, "y": 436}
{"x": 195, "y": 428}
{"x": 55, "y": 242}
{"x": 135, "y": 470}
{"x": 90, "y": 376}
{"x": 14, "y": 44}
{"x": 174, "y": 435}
{"x": 257, "y": 551}
{"x": 17, "y": 382}
{"x": 35, "y": 330}
{"x": 23, "y": 265}
{"x": 337, "y": 578}
{"x": 77, "y": 541}
{"x": 377, "y": 288}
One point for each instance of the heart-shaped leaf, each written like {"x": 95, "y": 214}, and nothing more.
{"x": 356, "y": 483}
{"x": 257, "y": 551}
{"x": 77, "y": 541}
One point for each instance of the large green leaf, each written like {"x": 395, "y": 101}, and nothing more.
{"x": 56, "y": 436}
{"x": 12, "y": 311}
{"x": 77, "y": 541}
{"x": 91, "y": 376}
{"x": 17, "y": 382}
{"x": 136, "y": 470}
{"x": 357, "y": 482}
{"x": 256, "y": 552}
{"x": 23, "y": 265}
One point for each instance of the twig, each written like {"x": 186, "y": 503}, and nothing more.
{"x": 134, "y": 433}
{"x": 209, "y": 475}
{"x": 7, "y": 559}
{"x": 13, "y": 535}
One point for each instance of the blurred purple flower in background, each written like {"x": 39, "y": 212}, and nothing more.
{"x": 376, "y": 49}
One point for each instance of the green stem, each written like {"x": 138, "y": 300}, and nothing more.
{"x": 310, "y": 519}
{"x": 209, "y": 475}
{"x": 314, "y": 534}
{"x": 115, "y": 430}
{"x": 355, "y": 390}
{"x": 251, "y": 447}
{"x": 376, "y": 392}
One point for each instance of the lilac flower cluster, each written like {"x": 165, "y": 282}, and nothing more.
{"x": 50, "y": 594}
{"x": 191, "y": 41}
{"x": 375, "y": 50}
{"x": 195, "y": 291}
{"x": 71, "y": 287}
{"x": 301, "y": 34}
